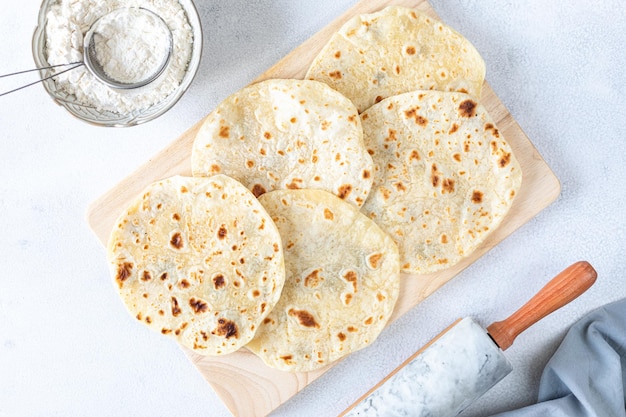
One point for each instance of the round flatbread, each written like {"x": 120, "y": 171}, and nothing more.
{"x": 397, "y": 50}
{"x": 342, "y": 281}
{"x": 286, "y": 134}
{"x": 199, "y": 260}
{"x": 444, "y": 176}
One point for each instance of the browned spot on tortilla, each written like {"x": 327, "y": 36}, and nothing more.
{"x": 146, "y": 276}
{"x": 222, "y": 232}
{"x": 258, "y": 190}
{"x": 335, "y": 75}
{"x": 366, "y": 174}
{"x": 224, "y": 132}
{"x": 392, "y": 136}
{"x": 313, "y": 279}
{"x": 453, "y": 129}
{"x": 341, "y": 336}
{"x": 286, "y": 358}
{"x": 380, "y": 297}
{"x": 305, "y": 318}
{"x": 177, "y": 241}
{"x": 338, "y": 54}
{"x": 399, "y": 186}
{"x": 198, "y": 306}
{"x": 226, "y": 328}
{"x": 477, "y": 197}
{"x": 444, "y": 239}
{"x": 344, "y": 191}
{"x": 293, "y": 120}
{"x": 412, "y": 114}
{"x": 218, "y": 281}
{"x": 347, "y": 299}
{"x": 351, "y": 277}
{"x": 166, "y": 331}
{"x": 447, "y": 185}
{"x": 328, "y": 214}
{"x": 373, "y": 260}
{"x": 267, "y": 135}
{"x": 184, "y": 284}
{"x": 123, "y": 273}
{"x": 494, "y": 130}
{"x": 434, "y": 178}
{"x": 378, "y": 99}
{"x": 175, "y": 307}
{"x": 414, "y": 155}
{"x": 457, "y": 157}
{"x": 410, "y": 50}
{"x": 295, "y": 184}
{"x": 276, "y": 247}
{"x": 467, "y": 108}
{"x": 504, "y": 161}
{"x": 369, "y": 320}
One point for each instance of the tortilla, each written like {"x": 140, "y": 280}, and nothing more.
{"x": 286, "y": 134}
{"x": 198, "y": 260}
{"x": 342, "y": 281}
{"x": 397, "y": 50}
{"x": 444, "y": 176}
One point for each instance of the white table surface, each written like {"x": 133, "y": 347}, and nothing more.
{"x": 69, "y": 348}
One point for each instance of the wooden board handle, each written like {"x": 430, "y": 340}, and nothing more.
{"x": 565, "y": 287}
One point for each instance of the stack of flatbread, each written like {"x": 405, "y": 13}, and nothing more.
{"x": 309, "y": 197}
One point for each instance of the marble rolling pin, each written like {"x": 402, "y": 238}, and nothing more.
{"x": 463, "y": 362}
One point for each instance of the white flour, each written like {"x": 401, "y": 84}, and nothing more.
{"x": 69, "y": 20}
{"x": 139, "y": 53}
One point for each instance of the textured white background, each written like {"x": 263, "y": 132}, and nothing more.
{"x": 67, "y": 345}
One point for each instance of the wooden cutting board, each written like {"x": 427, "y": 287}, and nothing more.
{"x": 245, "y": 385}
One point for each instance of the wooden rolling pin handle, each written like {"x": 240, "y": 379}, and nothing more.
{"x": 565, "y": 287}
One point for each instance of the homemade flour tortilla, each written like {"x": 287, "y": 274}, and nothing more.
{"x": 342, "y": 281}
{"x": 397, "y": 50}
{"x": 198, "y": 260}
{"x": 444, "y": 176}
{"x": 286, "y": 134}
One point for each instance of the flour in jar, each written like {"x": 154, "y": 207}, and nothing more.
{"x": 69, "y": 20}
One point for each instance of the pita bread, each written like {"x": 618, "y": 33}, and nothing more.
{"x": 342, "y": 281}
{"x": 286, "y": 134}
{"x": 444, "y": 176}
{"x": 397, "y": 50}
{"x": 198, "y": 260}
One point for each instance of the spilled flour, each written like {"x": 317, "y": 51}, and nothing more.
{"x": 69, "y": 20}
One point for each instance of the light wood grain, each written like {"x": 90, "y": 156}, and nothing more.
{"x": 246, "y": 386}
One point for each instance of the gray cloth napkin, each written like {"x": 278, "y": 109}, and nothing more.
{"x": 586, "y": 376}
